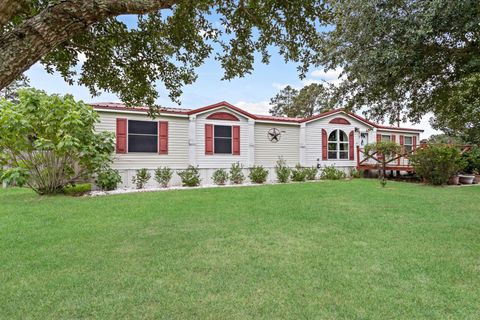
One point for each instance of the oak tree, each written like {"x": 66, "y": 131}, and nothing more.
{"x": 169, "y": 40}
{"x": 403, "y": 59}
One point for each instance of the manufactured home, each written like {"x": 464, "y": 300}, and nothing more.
{"x": 218, "y": 135}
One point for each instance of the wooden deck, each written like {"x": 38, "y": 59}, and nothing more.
{"x": 400, "y": 162}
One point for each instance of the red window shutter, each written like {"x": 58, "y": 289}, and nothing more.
{"x": 402, "y": 142}
{"x": 209, "y": 139}
{"x": 236, "y": 140}
{"x": 121, "y": 135}
{"x": 414, "y": 142}
{"x": 379, "y": 137}
{"x": 324, "y": 145}
{"x": 393, "y": 138}
{"x": 163, "y": 137}
{"x": 351, "y": 142}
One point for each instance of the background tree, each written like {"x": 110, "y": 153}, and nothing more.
{"x": 49, "y": 141}
{"x": 283, "y": 103}
{"x": 306, "y": 102}
{"x": 406, "y": 58}
{"x": 170, "y": 40}
{"x": 443, "y": 138}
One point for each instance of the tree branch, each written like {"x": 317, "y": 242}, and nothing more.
{"x": 8, "y": 9}
{"x": 29, "y": 42}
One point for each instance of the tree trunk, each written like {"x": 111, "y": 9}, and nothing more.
{"x": 9, "y": 8}
{"x": 39, "y": 35}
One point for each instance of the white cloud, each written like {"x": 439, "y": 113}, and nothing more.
{"x": 327, "y": 75}
{"x": 81, "y": 57}
{"x": 260, "y": 107}
{"x": 307, "y": 82}
{"x": 279, "y": 86}
{"x": 425, "y": 125}
{"x": 321, "y": 76}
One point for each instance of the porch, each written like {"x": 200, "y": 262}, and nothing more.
{"x": 401, "y": 162}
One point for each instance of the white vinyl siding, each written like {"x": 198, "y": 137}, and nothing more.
{"x": 313, "y": 139}
{"x": 288, "y": 147}
{"x": 220, "y": 160}
{"x": 177, "y": 156}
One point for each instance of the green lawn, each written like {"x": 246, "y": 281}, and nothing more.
{"x": 322, "y": 250}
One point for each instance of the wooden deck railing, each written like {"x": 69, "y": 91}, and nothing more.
{"x": 400, "y": 162}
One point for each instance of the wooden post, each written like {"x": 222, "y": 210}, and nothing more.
{"x": 358, "y": 157}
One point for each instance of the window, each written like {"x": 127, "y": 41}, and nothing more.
{"x": 363, "y": 138}
{"x": 142, "y": 136}
{"x": 408, "y": 143}
{"x": 338, "y": 145}
{"x": 386, "y": 137}
{"x": 222, "y": 139}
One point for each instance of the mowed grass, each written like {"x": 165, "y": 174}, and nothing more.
{"x": 326, "y": 250}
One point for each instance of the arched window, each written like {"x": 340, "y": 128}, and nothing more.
{"x": 338, "y": 145}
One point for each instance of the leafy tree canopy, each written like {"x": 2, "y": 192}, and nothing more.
{"x": 311, "y": 99}
{"x": 51, "y": 140}
{"x": 406, "y": 58}
{"x": 463, "y": 118}
{"x": 170, "y": 40}
{"x": 443, "y": 138}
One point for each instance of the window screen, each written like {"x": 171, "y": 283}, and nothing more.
{"x": 222, "y": 139}
{"x": 142, "y": 136}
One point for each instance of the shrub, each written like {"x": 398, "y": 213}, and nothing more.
{"x": 163, "y": 176}
{"x": 220, "y": 177}
{"x": 141, "y": 178}
{"x": 311, "y": 173}
{"x": 258, "y": 174}
{"x": 355, "y": 174}
{"x": 14, "y": 176}
{"x": 472, "y": 160}
{"x": 52, "y": 138}
{"x": 190, "y": 176}
{"x": 282, "y": 170}
{"x": 332, "y": 173}
{"x": 236, "y": 173}
{"x": 77, "y": 189}
{"x": 108, "y": 179}
{"x": 298, "y": 173}
{"x": 436, "y": 164}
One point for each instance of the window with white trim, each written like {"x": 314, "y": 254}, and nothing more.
{"x": 386, "y": 137}
{"x": 142, "y": 136}
{"x": 408, "y": 143}
{"x": 222, "y": 139}
{"x": 337, "y": 145}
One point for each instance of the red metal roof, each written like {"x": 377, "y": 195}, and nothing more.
{"x": 121, "y": 106}
{"x": 185, "y": 111}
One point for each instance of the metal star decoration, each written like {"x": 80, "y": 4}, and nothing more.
{"x": 273, "y": 135}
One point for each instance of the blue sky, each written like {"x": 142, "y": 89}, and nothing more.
{"x": 251, "y": 92}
